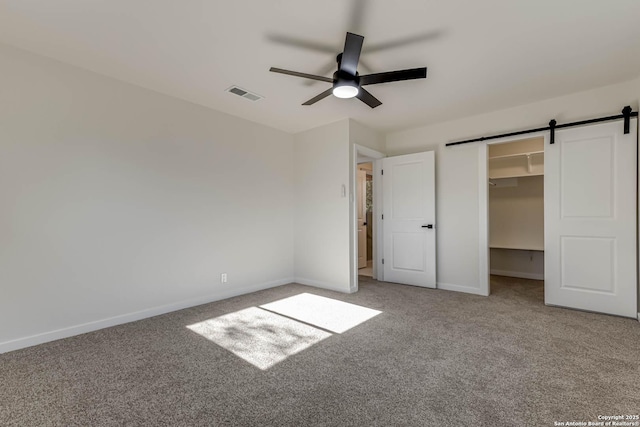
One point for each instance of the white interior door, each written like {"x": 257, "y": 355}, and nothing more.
{"x": 409, "y": 219}
{"x": 362, "y": 218}
{"x": 590, "y": 219}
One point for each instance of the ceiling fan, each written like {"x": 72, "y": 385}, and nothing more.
{"x": 347, "y": 83}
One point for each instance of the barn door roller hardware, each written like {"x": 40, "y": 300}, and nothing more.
{"x": 627, "y": 113}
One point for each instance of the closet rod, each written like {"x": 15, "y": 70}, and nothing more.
{"x": 627, "y": 113}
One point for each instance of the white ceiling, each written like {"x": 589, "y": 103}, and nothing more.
{"x": 490, "y": 54}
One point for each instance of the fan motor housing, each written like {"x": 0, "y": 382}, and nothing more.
{"x": 341, "y": 78}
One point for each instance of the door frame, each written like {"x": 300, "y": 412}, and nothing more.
{"x": 484, "y": 260}
{"x": 358, "y": 152}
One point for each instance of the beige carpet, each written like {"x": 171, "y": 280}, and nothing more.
{"x": 429, "y": 358}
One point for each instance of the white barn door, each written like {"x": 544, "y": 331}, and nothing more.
{"x": 590, "y": 219}
{"x": 408, "y": 186}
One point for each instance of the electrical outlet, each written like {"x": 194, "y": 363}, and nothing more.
{"x": 223, "y": 278}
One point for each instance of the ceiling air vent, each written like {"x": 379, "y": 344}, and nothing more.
{"x": 244, "y": 93}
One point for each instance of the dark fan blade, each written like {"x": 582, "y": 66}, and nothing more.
{"x": 303, "y": 75}
{"x": 393, "y": 76}
{"x": 351, "y": 54}
{"x": 317, "y": 98}
{"x": 303, "y": 44}
{"x": 330, "y": 67}
{"x": 367, "y": 98}
{"x": 422, "y": 37}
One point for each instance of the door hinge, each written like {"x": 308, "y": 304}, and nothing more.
{"x": 382, "y": 216}
{"x": 381, "y": 171}
{"x": 383, "y": 260}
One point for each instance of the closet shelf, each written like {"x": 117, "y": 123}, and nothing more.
{"x": 519, "y": 248}
{"x": 516, "y": 176}
{"x": 505, "y": 156}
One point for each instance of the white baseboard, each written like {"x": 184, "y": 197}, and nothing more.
{"x": 459, "y": 288}
{"x": 518, "y": 274}
{"x": 132, "y": 317}
{"x": 345, "y": 289}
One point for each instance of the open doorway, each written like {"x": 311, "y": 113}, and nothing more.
{"x": 364, "y": 201}
{"x": 365, "y": 173}
{"x": 516, "y": 217}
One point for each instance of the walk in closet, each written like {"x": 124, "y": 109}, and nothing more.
{"x": 516, "y": 208}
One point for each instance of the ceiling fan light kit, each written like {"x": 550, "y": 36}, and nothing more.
{"x": 347, "y": 83}
{"x": 345, "y": 91}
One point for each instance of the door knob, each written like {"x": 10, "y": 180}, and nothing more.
{"x": 428, "y": 226}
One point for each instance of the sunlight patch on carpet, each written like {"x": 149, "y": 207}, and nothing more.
{"x": 258, "y": 336}
{"x": 326, "y": 313}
